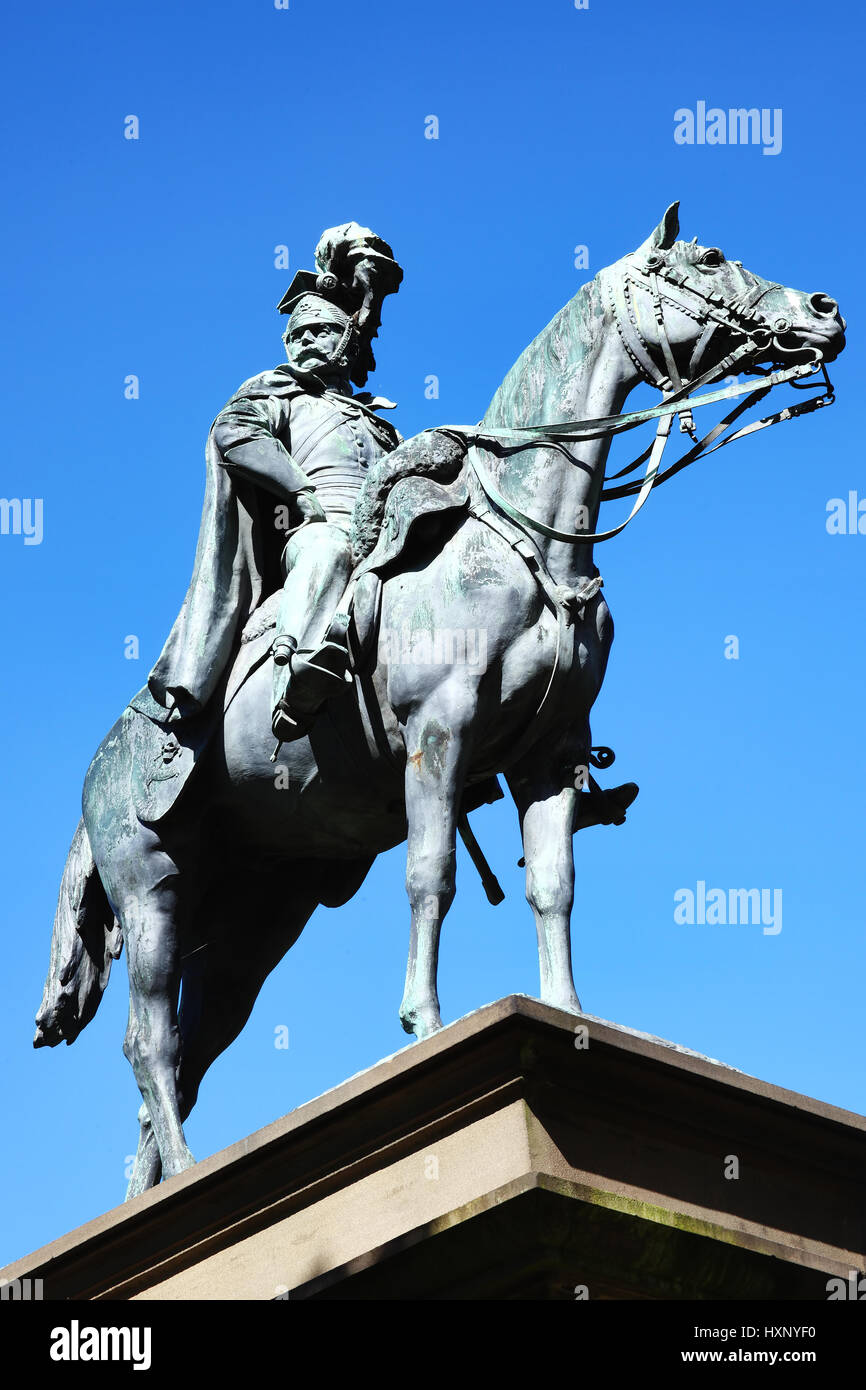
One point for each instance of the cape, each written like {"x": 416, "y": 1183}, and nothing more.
{"x": 226, "y": 584}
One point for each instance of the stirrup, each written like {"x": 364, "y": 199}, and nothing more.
{"x": 288, "y": 724}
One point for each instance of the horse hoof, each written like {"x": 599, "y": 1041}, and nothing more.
{"x": 423, "y": 1023}
{"x": 178, "y": 1166}
{"x": 569, "y": 1005}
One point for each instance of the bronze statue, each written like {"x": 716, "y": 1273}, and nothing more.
{"x": 204, "y": 855}
{"x": 294, "y": 443}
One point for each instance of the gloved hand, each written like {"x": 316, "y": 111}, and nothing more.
{"x": 309, "y": 506}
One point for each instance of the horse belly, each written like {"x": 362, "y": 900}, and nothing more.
{"x": 313, "y": 800}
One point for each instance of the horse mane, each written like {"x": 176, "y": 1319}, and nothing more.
{"x": 530, "y": 389}
{"x": 528, "y": 394}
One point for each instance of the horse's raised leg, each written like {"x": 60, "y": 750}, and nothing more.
{"x": 148, "y": 912}
{"x": 437, "y": 749}
{"x": 546, "y": 808}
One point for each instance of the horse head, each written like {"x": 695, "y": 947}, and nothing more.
{"x": 682, "y": 308}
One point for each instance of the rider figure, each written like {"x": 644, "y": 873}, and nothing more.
{"x": 290, "y": 451}
{"x": 316, "y": 445}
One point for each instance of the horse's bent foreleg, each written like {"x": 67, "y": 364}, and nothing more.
{"x": 546, "y": 810}
{"x": 437, "y": 753}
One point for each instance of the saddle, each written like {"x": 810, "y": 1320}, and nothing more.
{"x": 165, "y": 750}
{"x": 416, "y": 508}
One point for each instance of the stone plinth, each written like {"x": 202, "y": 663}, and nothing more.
{"x": 499, "y": 1160}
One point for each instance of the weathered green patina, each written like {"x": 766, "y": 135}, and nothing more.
{"x": 206, "y": 857}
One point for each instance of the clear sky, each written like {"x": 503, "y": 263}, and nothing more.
{"x": 155, "y": 257}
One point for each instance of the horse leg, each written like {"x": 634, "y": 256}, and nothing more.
{"x": 547, "y": 810}
{"x": 147, "y": 1169}
{"x": 221, "y": 982}
{"x": 148, "y": 913}
{"x": 435, "y": 771}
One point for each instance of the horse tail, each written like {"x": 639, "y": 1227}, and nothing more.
{"x": 86, "y": 939}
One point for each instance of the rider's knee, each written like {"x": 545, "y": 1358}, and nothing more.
{"x": 321, "y": 544}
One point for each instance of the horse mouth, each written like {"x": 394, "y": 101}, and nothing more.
{"x": 802, "y": 344}
{"x": 794, "y": 346}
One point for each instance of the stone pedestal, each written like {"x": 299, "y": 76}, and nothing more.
{"x": 522, "y": 1153}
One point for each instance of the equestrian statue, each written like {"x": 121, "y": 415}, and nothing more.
{"x": 376, "y": 630}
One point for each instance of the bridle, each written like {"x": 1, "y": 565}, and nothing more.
{"x": 738, "y": 316}
{"x": 752, "y": 336}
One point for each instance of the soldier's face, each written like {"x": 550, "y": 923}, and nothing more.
{"x": 313, "y": 342}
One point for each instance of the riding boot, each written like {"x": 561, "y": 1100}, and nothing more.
{"x": 310, "y": 652}
{"x": 604, "y": 807}
{"x": 304, "y": 682}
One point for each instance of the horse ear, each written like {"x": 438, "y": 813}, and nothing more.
{"x": 665, "y": 234}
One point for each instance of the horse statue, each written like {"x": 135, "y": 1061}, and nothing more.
{"x": 210, "y": 897}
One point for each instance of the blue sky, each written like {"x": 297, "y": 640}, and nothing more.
{"x": 155, "y": 257}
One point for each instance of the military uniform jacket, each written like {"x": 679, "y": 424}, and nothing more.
{"x": 272, "y": 438}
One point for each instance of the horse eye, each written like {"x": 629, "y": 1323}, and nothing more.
{"x": 712, "y": 257}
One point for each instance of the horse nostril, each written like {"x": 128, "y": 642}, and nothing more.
{"x": 823, "y": 304}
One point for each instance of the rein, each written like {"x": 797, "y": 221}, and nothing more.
{"x": 738, "y": 317}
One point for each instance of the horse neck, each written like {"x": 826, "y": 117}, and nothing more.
{"x": 576, "y": 369}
